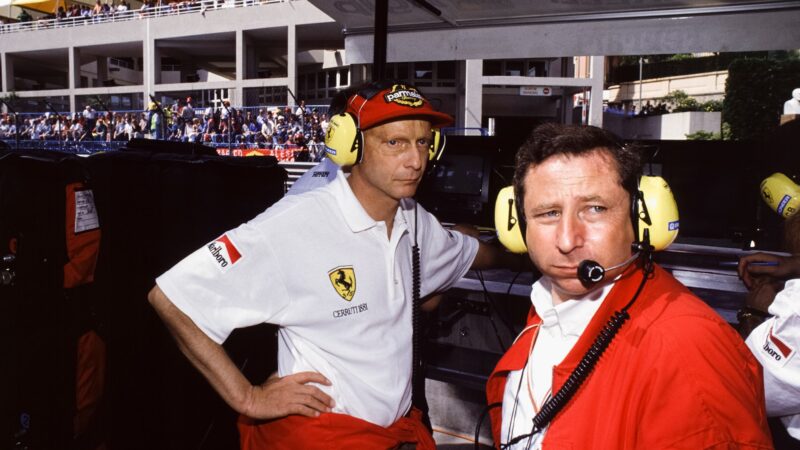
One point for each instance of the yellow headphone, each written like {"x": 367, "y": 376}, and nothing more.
{"x": 344, "y": 140}
{"x": 781, "y": 194}
{"x": 658, "y": 215}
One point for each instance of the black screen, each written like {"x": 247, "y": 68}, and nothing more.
{"x": 459, "y": 174}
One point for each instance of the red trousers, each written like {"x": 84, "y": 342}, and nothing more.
{"x": 332, "y": 431}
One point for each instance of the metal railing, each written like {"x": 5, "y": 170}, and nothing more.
{"x": 172, "y": 9}
{"x": 284, "y": 153}
{"x": 76, "y": 147}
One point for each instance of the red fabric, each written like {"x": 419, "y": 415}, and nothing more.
{"x": 332, "y": 431}
{"x": 676, "y": 376}
{"x": 82, "y": 248}
{"x": 90, "y": 379}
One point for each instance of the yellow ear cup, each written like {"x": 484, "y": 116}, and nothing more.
{"x": 659, "y": 204}
{"x": 781, "y": 194}
{"x": 343, "y": 140}
{"x": 437, "y": 146}
{"x": 506, "y": 222}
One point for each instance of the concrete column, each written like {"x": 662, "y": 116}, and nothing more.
{"x": 151, "y": 68}
{"x": 358, "y": 74}
{"x": 73, "y": 75}
{"x": 291, "y": 61}
{"x": 8, "y": 72}
{"x": 597, "y": 70}
{"x": 250, "y": 59}
{"x": 240, "y": 57}
{"x": 102, "y": 69}
{"x": 473, "y": 93}
{"x": 237, "y": 97}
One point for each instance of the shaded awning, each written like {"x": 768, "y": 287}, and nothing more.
{"x": 45, "y": 6}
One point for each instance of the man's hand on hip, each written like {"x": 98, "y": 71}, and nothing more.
{"x": 283, "y": 396}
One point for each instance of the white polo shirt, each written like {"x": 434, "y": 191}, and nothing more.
{"x": 775, "y": 344}
{"x": 321, "y": 268}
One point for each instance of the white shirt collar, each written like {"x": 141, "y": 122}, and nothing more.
{"x": 571, "y": 316}
{"x": 356, "y": 216}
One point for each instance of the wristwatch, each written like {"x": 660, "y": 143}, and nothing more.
{"x": 748, "y": 313}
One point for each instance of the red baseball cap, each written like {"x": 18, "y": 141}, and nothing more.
{"x": 397, "y": 101}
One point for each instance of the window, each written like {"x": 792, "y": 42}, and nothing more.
{"x": 492, "y": 67}
{"x": 402, "y": 71}
{"x": 446, "y": 70}
{"x": 513, "y": 68}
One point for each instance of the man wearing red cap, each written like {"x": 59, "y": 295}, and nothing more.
{"x": 333, "y": 268}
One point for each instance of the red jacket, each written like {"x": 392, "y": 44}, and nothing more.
{"x": 676, "y": 376}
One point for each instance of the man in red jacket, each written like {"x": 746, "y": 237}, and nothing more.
{"x": 675, "y": 375}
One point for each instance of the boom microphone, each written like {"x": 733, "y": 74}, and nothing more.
{"x": 591, "y": 272}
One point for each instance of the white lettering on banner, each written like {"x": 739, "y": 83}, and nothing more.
{"x": 85, "y": 212}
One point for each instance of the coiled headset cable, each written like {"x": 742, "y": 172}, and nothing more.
{"x": 417, "y": 364}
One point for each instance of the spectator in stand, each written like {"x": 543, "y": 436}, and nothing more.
{"x": 75, "y": 130}
{"x": 222, "y": 136}
{"x": 24, "y": 16}
{"x": 323, "y": 124}
{"x": 300, "y": 112}
{"x": 249, "y": 128}
{"x": 41, "y": 129}
{"x": 187, "y": 112}
{"x": 4, "y": 127}
{"x": 89, "y": 116}
{"x": 97, "y": 11}
{"x": 101, "y": 130}
{"x": 129, "y": 129}
{"x": 174, "y": 132}
{"x": 155, "y": 121}
{"x": 211, "y": 130}
{"x": 281, "y": 132}
{"x": 26, "y": 128}
{"x": 119, "y": 128}
{"x": 193, "y": 130}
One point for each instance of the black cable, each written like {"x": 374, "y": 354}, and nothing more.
{"x": 491, "y": 307}
{"x": 508, "y": 298}
{"x": 490, "y": 301}
{"x": 417, "y": 364}
{"x": 485, "y": 411}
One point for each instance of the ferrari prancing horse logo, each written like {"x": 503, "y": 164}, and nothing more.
{"x": 343, "y": 280}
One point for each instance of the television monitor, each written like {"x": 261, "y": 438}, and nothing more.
{"x": 457, "y": 188}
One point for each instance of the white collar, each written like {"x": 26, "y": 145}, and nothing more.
{"x": 354, "y": 213}
{"x": 571, "y": 316}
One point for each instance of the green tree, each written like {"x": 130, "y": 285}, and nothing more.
{"x": 754, "y": 95}
{"x": 681, "y": 101}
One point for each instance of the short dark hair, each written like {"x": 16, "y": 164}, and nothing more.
{"x": 553, "y": 139}
{"x": 338, "y": 103}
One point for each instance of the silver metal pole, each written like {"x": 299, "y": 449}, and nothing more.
{"x": 641, "y": 62}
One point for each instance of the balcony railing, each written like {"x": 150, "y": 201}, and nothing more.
{"x": 171, "y": 9}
